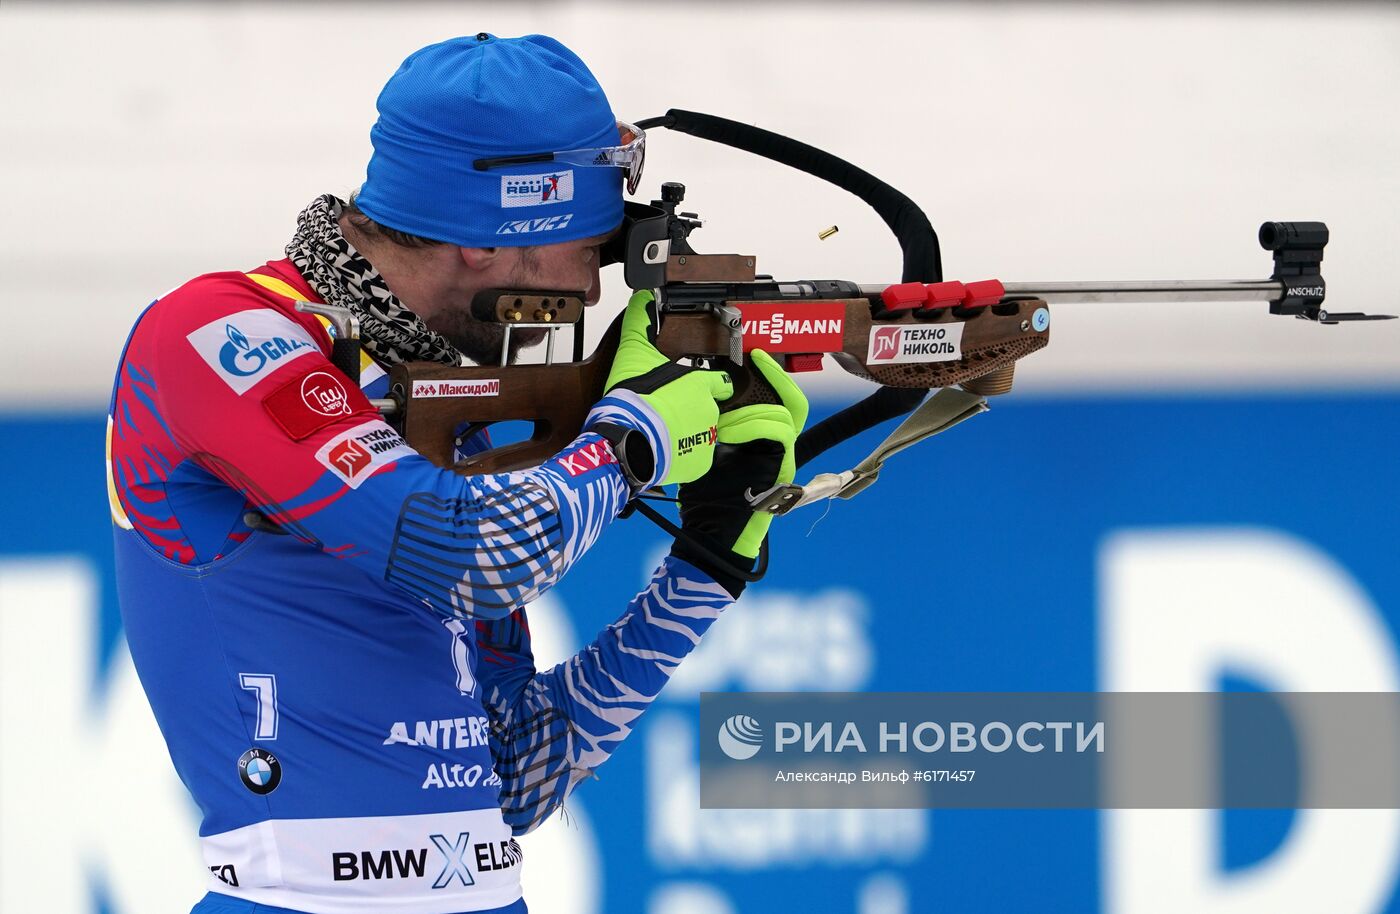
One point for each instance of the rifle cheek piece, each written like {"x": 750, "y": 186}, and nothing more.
{"x": 534, "y": 306}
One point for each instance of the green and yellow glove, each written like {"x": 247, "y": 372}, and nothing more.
{"x": 755, "y": 452}
{"x": 673, "y": 408}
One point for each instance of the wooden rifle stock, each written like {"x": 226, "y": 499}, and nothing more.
{"x": 434, "y": 401}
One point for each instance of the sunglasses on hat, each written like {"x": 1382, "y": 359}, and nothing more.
{"x": 630, "y": 155}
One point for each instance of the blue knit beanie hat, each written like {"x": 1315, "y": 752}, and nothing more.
{"x": 484, "y": 97}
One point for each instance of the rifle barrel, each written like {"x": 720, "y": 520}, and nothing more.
{"x": 1171, "y": 290}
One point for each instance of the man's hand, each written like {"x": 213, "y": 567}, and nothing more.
{"x": 754, "y": 453}
{"x": 672, "y": 407}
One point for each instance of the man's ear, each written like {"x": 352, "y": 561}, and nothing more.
{"x": 479, "y": 258}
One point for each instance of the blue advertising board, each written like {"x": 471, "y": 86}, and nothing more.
{"x": 1126, "y": 543}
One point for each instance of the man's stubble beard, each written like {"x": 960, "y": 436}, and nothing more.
{"x": 480, "y": 340}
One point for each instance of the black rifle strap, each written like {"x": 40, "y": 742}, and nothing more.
{"x": 923, "y": 261}
{"x": 884, "y": 404}
{"x": 917, "y": 239}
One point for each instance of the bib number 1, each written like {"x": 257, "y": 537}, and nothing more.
{"x": 264, "y": 686}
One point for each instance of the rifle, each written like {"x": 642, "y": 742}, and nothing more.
{"x": 920, "y": 334}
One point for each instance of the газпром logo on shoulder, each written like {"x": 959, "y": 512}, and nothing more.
{"x": 244, "y": 348}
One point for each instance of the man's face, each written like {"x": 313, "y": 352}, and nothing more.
{"x": 569, "y": 266}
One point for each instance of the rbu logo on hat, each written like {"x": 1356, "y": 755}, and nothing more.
{"x": 537, "y": 190}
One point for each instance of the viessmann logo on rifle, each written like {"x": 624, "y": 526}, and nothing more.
{"x": 815, "y": 327}
{"x": 691, "y": 442}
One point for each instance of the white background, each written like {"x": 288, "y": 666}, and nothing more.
{"x": 144, "y": 144}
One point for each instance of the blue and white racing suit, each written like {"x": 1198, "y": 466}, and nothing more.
{"x": 352, "y": 702}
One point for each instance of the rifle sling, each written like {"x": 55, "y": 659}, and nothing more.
{"x": 938, "y": 413}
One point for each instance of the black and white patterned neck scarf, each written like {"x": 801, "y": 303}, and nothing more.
{"x": 341, "y": 275}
